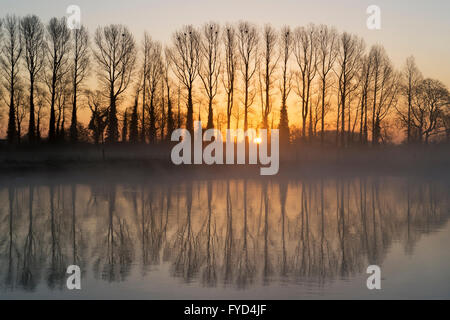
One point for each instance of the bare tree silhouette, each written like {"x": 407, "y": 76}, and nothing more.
{"x": 248, "y": 53}
{"x": 154, "y": 76}
{"x": 305, "y": 52}
{"x": 230, "y": 43}
{"x": 185, "y": 58}
{"x": 11, "y": 52}
{"x": 327, "y": 45}
{"x": 58, "y": 46}
{"x": 32, "y": 32}
{"x": 350, "y": 49}
{"x": 286, "y": 82}
{"x": 115, "y": 55}
{"x": 79, "y": 72}
{"x": 210, "y": 66}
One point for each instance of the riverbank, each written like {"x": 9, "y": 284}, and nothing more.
{"x": 155, "y": 160}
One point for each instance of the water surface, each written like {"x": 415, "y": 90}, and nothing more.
{"x": 225, "y": 238}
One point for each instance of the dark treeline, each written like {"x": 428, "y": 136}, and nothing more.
{"x": 236, "y": 76}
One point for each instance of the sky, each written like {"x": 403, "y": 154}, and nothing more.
{"x": 408, "y": 27}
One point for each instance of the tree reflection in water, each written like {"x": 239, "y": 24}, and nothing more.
{"x": 232, "y": 233}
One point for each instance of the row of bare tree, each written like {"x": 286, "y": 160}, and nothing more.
{"x": 343, "y": 92}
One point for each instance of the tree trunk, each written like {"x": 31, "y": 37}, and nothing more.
{"x": 112, "y": 133}
{"x": 73, "y": 123}
{"x": 190, "y": 113}
{"x": 143, "y": 113}
{"x": 152, "y": 129}
{"x": 31, "y": 125}
{"x": 51, "y": 131}
{"x": 210, "y": 123}
{"x": 12, "y": 134}
{"x": 322, "y": 120}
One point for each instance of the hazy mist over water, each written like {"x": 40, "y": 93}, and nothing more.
{"x": 225, "y": 238}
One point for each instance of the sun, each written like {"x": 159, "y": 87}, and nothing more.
{"x": 257, "y": 140}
